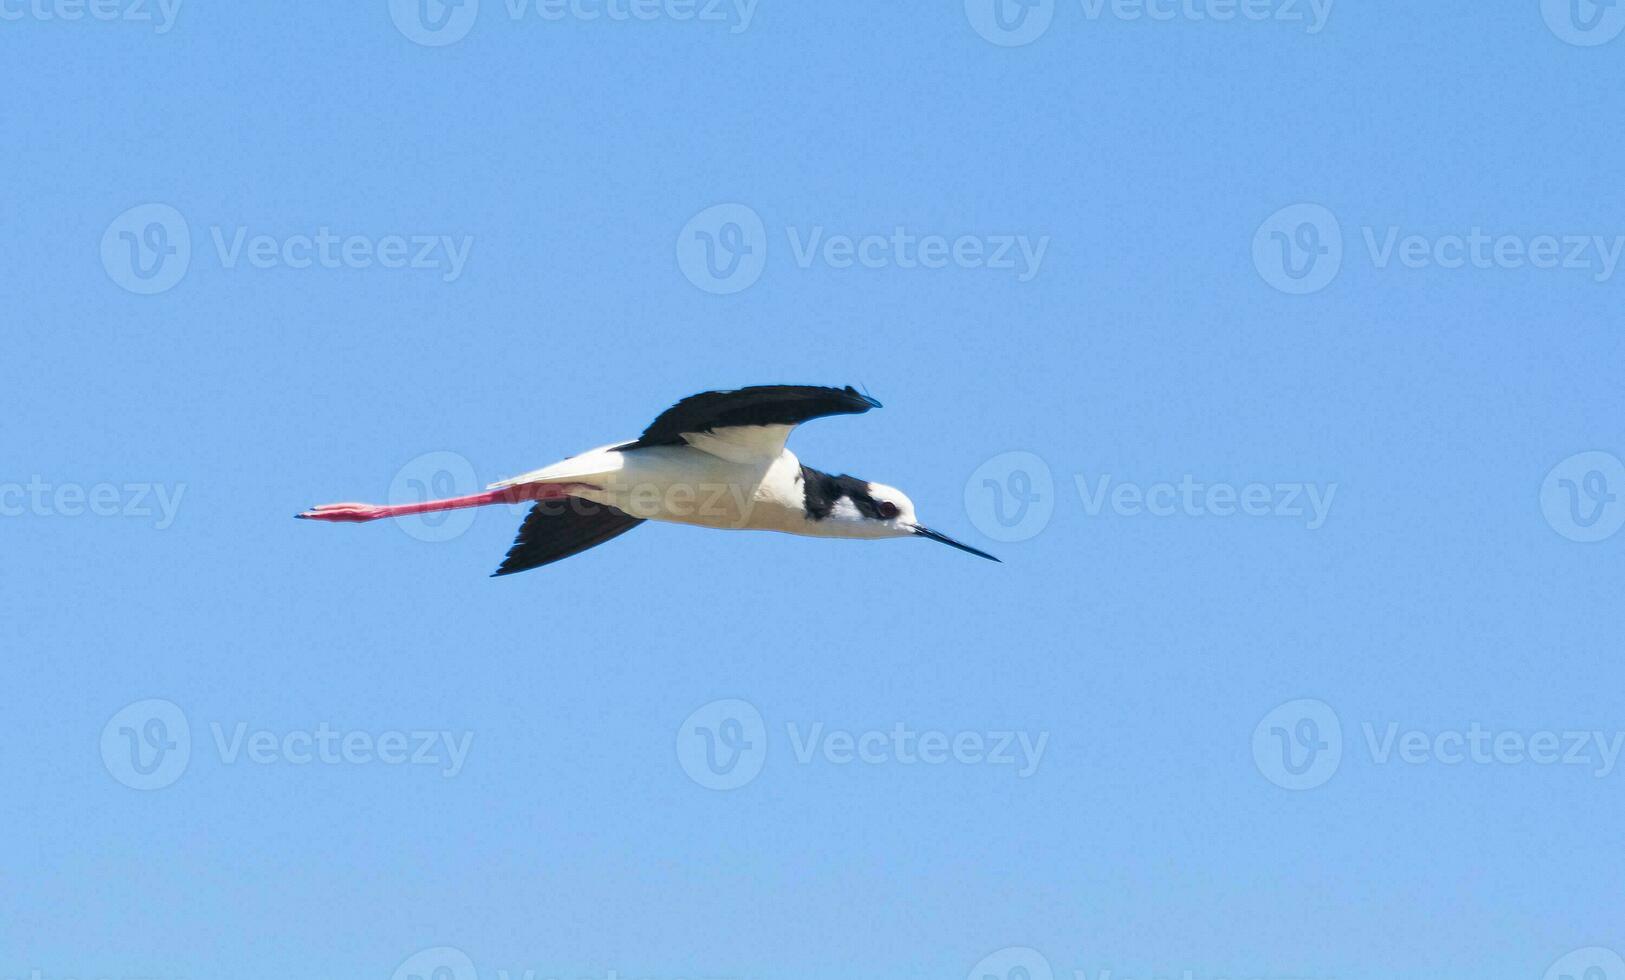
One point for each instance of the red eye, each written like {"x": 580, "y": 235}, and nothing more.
{"x": 886, "y": 509}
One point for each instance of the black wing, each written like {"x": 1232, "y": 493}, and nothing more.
{"x": 758, "y": 405}
{"x": 557, "y": 529}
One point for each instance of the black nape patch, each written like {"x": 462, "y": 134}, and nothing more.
{"x": 820, "y": 491}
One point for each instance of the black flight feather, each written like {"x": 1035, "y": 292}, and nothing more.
{"x": 757, "y": 405}
{"x": 557, "y": 529}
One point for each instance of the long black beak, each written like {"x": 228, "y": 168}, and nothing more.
{"x": 926, "y": 532}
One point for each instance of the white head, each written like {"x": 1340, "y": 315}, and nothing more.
{"x": 847, "y": 507}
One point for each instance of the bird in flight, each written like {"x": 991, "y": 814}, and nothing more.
{"x": 716, "y": 459}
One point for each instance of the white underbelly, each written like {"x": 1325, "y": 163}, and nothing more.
{"x": 686, "y": 486}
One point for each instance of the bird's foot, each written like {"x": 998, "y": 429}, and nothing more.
{"x": 350, "y": 513}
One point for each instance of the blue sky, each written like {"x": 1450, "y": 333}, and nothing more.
{"x": 1275, "y": 347}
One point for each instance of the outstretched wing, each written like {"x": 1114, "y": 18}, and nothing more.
{"x": 557, "y": 529}
{"x": 748, "y": 423}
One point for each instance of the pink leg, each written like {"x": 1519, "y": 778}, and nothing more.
{"x": 353, "y": 513}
